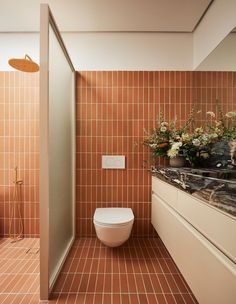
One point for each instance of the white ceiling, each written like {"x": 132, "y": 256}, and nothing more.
{"x": 105, "y": 15}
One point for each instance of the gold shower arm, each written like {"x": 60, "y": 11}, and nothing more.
{"x": 27, "y": 56}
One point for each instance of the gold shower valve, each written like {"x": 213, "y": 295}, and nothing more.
{"x": 16, "y": 180}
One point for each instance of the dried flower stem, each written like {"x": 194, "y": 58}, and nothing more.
{"x": 220, "y": 113}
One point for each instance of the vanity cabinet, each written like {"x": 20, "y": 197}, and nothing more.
{"x": 201, "y": 240}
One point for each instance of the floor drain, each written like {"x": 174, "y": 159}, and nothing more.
{"x": 32, "y": 250}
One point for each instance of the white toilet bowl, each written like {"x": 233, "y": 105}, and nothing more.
{"x": 113, "y": 225}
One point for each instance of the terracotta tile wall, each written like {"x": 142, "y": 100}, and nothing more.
{"x": 209, "y": 86}
{"x": 113, "y": 109}
{"x": 19, "y": 146}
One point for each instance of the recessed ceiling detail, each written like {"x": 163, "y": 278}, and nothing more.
{"x": 105, "y": 15}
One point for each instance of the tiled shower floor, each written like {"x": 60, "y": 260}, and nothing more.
{"x": 19, "y": 271}
{"x": 141, "y": 271}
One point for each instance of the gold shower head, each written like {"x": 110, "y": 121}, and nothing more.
{"x": 25, "y": 65}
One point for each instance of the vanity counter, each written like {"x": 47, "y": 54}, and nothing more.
{"x": 217, "y": 192}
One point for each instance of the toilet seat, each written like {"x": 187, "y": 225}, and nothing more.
{"x": 113, "y": 217}
{"x": 113, "y": 226}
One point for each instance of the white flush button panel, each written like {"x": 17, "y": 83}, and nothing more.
{"x": 113, "y": 162}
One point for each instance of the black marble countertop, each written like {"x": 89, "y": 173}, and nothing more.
{"x": 216, "y": 187}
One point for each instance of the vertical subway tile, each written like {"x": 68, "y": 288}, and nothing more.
{"x": 112, "y": 122}
{"x": 19, "y": 102}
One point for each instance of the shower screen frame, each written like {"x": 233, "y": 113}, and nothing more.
{"x": 47, "y": 276}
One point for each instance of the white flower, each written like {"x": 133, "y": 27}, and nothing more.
{"x": 230, "y": 114}
{"x": 205, "y": 137}
{"x": 213, "y": 135}
{"x": 164, "y": 123}
{"x": 218, "y": 130}
{"x": 196, "y": 142}
{"x": 185, "y": 137}
{"x": 199, "y": 130}
{"x": 212, "y": 114}
{"x": 163, "y": 129}
{"x": 176, "y": 145}
{"x": 172, "y": 153}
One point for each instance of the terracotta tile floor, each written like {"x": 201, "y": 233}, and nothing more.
{"x": 19, "y": 271}
{"x": 141, "y": 271}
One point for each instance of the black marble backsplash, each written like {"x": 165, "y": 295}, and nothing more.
{"x": 216, "y": 187}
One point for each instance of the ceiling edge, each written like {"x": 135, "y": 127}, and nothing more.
{"x": 202, "y": 16}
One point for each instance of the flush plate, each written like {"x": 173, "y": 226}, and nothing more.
{"x": 113, "y": 162}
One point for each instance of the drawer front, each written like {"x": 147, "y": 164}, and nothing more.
{"x": 196, "y": 258}
{"x": 165, "y": 191}
{"x": 219, "y": 228}
{"x": 154, "y": 211}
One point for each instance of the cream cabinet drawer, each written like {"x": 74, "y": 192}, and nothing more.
{"x": 165, "y": 191}
{"x": 219, "y": 228}
{"x": 209, "y": 273}
{"x": 154, "y": 211}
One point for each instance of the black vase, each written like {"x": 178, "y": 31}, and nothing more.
{"x": 219, "y": 155}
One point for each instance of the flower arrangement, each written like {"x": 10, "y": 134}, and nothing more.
{"x": 166, "y": 139}
{"x": 159, "y": 139}
{"x": 194, "y": 144}
{"x": 223, "y": 128}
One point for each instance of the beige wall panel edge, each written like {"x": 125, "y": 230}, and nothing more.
{"x": 218, "y": 22}
{"x": 44, "y": 155}
{"x": 57, "y": 171}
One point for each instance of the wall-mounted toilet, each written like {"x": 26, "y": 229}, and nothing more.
{"x": 113, "y": 225}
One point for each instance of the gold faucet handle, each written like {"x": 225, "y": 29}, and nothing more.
{"x": 16, "y": 181}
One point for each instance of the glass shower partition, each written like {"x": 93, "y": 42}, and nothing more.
{"x": 57, "y": 152}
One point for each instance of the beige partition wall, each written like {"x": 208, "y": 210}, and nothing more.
{"x": 57, "y": 152}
